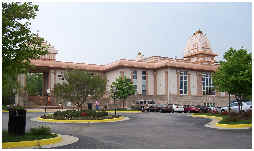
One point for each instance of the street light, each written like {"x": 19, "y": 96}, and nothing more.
{"x": 48, "y": 94}
{"x": 114, "y": 97}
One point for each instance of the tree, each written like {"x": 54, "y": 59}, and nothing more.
{"x": 79, "y": 85}
{"x": 34, "y": 84}
{"x": 20, "y": 45}
{"x": 234, "y": 75}
{"x": 124, "y": 88}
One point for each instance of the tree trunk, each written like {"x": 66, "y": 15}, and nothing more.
{"x": 123, "y": 103}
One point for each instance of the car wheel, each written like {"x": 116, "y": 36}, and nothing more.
{"x": 222, "y": 110}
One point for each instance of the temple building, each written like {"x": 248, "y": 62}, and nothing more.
{"x": 162, "y": 79}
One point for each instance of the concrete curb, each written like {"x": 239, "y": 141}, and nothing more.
{"x": 214, "y": 123}
{"x": 38, "y": 119}
{"x": 66, "y": 140}
{"x": 25, "y": 144}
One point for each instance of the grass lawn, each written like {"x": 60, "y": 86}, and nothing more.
{"x": 26, "y": 137}
{"x": 224, "y": 119}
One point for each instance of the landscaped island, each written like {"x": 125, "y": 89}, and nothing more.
{"x": 79, "y": 115}
{"x": 232, "y": 117}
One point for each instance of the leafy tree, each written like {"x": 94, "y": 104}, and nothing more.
{"x": 19, "y": 44}
{"x": 80, "y": 85}
{"x": 34, "y": 84}
{"x": 124, "y": 88}
{"x": 234, "y": 75}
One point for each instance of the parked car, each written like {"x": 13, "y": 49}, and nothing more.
{"x": 246, "y": 105}
{"x": 186, "y": 108}
{"x": 144, "y": 104}
{"x": 212, "y": 108}
{"x": 154, "y": 108}
{"x": 166, "y": 108}
{"x": 191, "y": 109}
{"x": 203, "y": 109}
{"x": 178, "y": 108}
{"x": 249, "y": 103}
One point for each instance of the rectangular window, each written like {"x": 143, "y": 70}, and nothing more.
{"x": 207, "y": 84}
{"x": 134, "y": 75}
{"x": 60, "y": 76}
{"x": 143, "y": 82}
{"x": 143, "y": 75}
{"x": 134, "y": 80}
{"x": 183, "y": 83}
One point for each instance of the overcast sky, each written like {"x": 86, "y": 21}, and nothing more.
{"x": 100, "y": 33}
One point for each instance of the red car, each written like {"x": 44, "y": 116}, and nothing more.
{"x": 191, "y": 109}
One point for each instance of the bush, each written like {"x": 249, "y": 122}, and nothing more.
{"x": 235, "y": 117}
{"x": 40, "y": 131}
{"x": 73, "y": 114}
{"x": 5, "y": 108}
{"x": 224, "y": 113}
{"x": 101, "y": 114}
{"x": 83, "y": 114}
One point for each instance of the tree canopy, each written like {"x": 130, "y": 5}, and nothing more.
{"x": 124, "y": 88}
{"x": 234, "y": 75}
{"x": 34, "y": 83}
{"x": 79, "y": 85}
{"x": 19, "y": 44}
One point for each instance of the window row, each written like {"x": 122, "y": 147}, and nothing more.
{"x": 207, "y": 84}
{"x": 134, "y": 80}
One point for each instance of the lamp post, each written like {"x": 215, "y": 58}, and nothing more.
{"x": 114, "y": 97}
{"x": 48, "y": 93}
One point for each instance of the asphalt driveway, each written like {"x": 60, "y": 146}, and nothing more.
{"x": 148, "y": 130}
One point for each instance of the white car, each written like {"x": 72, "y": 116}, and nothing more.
{"x": 234, "y": 107}
{"x": 69, "y": 104}
{"x": 178, "y": 108}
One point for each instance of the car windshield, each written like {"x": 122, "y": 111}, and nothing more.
{"x": 248, "y": 103}
{"x": 234, "y": 104}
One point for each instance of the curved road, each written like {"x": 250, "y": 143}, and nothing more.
{"x": 148, "y": 130}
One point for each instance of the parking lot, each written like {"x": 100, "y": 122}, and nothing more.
{"x": 149, "y": 130}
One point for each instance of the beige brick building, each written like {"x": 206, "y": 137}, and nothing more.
{"x": 162, "y": 79}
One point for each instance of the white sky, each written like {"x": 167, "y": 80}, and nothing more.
{"x": 100, "y": 33}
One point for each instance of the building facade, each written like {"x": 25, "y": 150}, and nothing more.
{"x": 165, "y": 80}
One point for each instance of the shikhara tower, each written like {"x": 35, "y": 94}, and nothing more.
{"x": 198, "y": 49}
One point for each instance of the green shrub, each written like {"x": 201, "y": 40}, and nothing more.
{"x": 40, "y": 131}
{"x": 5, "y": 107}
{"x": 247, "y": 115}
{"x": 235, "y": 117}
{"x": 101, "y": 114}
{"x": 73, "y": 114}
